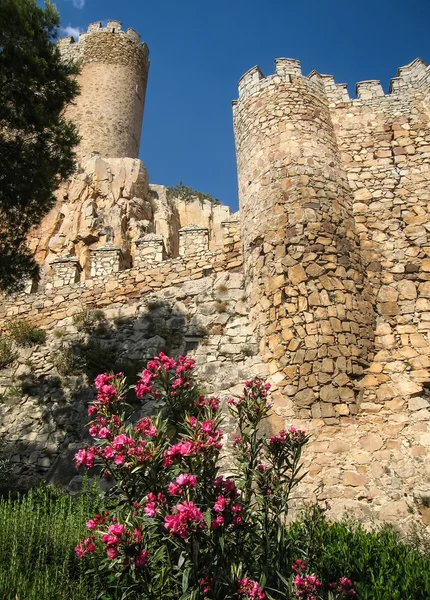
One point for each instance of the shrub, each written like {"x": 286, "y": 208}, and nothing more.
{"x": 88, "y": 320}
{"x": 222, "y": 288}
{"x": 381, "y": 565}
{"x": 68, "y": 362}
{"x": 24, "y": 333}
{"x": 188, "y": 194}
{"x": 7, "y": 353}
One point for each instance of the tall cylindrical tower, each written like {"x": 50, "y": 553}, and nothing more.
{"x": 302, "y": 265}
{"x": 113, "y": 77}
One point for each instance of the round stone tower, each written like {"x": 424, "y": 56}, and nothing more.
{"x": 302, "y": 266}
{"x": 113, "y": 77}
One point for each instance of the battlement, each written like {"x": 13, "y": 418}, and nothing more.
{"x": 112, "y": 26}
{"x": 415, "y": 76}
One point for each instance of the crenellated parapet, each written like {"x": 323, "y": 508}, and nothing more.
{"x": 75, "y": 49}
{"x": 410, "y": 78}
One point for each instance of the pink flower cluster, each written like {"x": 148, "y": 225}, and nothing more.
{"x": 162, "y": 362}
{"x": 146, "y": 428}
{"x": 206, "y": 438}
{"x": 106, "y": 392}
{"x": 207, "y": 584}
{"x": 343, "y": 588}
{"x": 177, "y": 451}
{"x": 249, "y": 589}
{"x": 307, "y": 586}
{"x": 142, "y": 559}
{"x": 86, "y": 457}
{"x": 86, "y": 546}
{"x": 293, "y": 434}
{"x": 185, "y": 520}
{"x": 226, "y": 509}
{"x": 253, "y": 398}
{"x": 212, "y": 402}
{"x": 183, "y": 482}
{"x": 97, "y": 520}
{"x": 154, "y": 503}
{"x": 144, "y": 385}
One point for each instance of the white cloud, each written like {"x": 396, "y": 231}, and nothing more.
{"x": 73, "y": 31}
{"x": 79, "y": 3}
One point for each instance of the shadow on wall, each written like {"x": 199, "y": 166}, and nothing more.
{"x": 48, "y": 411}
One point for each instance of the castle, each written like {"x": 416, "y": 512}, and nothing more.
{"x": 321, "y": 282}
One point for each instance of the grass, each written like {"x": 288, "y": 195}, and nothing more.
{"x": 38, "y": 534}
{"x": 7, "y": 353}
{"x": 221, "y": 306}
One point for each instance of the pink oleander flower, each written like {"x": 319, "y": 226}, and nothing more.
{"x": 220, "y": 504}
{"x": 307, "y": 586}
{"x": 146, "y": 427}
{"x": 183, "y": 448}
{"x": 108, "y": 452}
{"x": 137, "y": 535}
{"x": 299, "y": 566}
{"x": 86, "y": 457}
{"x": 278, "y": 439}
{"x": 186, "y": 480}
{"x": 92, "y": 410}
{"x": 104, "y": 433}
{"x": 121, "y": 441}
{"x": 249, "y": 589}
{"x": 227, "y": 485}
{"x": 206, "y": 583}
{"x": 153, "y": 504}
{"x": 97, "y": 520}
{"x": 112, "y": 553}
{"x": 119, "y": 460}
{"x": 142, "y": 559}
{"x": 217, "y": 522}
{"x": 343, "y": 587}
{"x": 85, "y": 547}
{"x": 93, "y": 430}
{"x": 116, "y": 529}
{"x": 186, "y": 519}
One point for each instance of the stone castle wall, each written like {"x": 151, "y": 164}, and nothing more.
{"x": 320, "y": 283}
{"x": 113, "y": 78}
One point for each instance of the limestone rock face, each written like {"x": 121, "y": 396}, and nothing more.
{"x": 109, "y": 201}
{"x": 106, "y": 201}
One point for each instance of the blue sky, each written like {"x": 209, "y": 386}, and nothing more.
{"x": 199, "y": 50}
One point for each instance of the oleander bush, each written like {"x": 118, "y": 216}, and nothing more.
{"x": 174, "y": 527}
